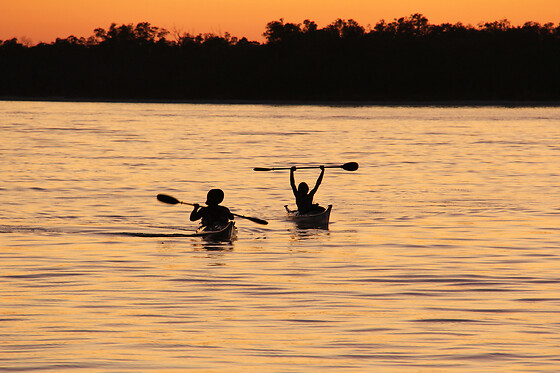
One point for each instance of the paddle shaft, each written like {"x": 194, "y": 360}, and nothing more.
{"x": 351, "y": 166}
{"x": 254, "y": 220}
{"x": 287, "y": 168}
{"x": 173, "y": 201}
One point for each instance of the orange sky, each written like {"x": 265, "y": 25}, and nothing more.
{"x": 45, "y": 20}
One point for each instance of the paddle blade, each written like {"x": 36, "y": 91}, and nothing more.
{"x": 254, "y": 220}
{"x": 350, "y": 166}
{"x": 167, "y": 199}
{"x": 257, "y": 220}
{"x": 262, "y": 169}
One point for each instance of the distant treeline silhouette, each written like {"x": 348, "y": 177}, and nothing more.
{"x": 407, "y": 59}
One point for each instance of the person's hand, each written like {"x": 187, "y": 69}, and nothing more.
{"x": 196, "y": 206}
{"x": 293, "y": 168}
{"x": 322, "y": 168}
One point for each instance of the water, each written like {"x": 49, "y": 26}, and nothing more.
{"x": 442, "y": 255}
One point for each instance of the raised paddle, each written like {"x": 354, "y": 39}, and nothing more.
{"x": 173, "y": 201}
{"x": 350, "y": 166}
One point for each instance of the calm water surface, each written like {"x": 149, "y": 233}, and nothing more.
{"x": 443, "y": 254}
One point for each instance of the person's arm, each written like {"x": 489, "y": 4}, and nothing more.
{"x": 229, "y": 214}
{"x": 195, "y": 214}
{"x": 319, "y": 179}
{"x": 292, "y": 180}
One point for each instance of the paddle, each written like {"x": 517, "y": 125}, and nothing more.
{"x": 350, "y": 166}
{"x": 173, "y": 201}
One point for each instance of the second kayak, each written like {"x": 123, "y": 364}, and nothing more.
{"x": 310, "y": 220}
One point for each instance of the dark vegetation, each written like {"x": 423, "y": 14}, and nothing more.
{"x": 407, "y": 59}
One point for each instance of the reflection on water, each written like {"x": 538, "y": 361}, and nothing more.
{"x": 211, "y": 245}
{"x": 442, "y": 252}
{"x": 298, "y": 233}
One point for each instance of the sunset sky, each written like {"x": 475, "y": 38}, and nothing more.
{"x": 44, "y": 20}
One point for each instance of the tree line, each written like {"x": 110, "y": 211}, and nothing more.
{"x": 407, "y": 59}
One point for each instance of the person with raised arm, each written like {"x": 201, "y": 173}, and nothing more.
{"x": 304, "y": 197}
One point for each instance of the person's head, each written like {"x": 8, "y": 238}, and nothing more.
{"x": 214, "y": 197}
{"x": 303, "y": 188}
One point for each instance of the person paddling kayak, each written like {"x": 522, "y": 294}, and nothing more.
{"x": 304, "y": 197}
{"x": 213, "y": 215}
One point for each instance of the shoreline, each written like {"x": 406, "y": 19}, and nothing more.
{"x": 264, "y": 102}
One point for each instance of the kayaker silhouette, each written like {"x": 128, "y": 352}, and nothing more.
{"x": 304, "y": 197}
{"x": 213, "y": 215}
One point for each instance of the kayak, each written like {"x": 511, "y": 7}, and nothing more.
{"x": 310, "y": 220}
{"x": 225, "y": 233}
